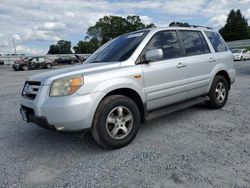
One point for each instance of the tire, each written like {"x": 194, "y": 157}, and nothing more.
{"x": 218, "y": 93}
{"x": 25, "y": 68}
{"x": 117, "y": 131}
{"x": 48, "y": 66}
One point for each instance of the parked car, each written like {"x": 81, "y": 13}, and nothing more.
{"x": 241, "y": 54}
{"x": 32, "y": 63}
{"x": 64, "y": 60}
{"x": 1, "y": 62}
{"x": 246, "y": 55}
{"x": 132, "y": 78}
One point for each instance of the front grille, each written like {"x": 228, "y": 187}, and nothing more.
{"x": 31, "y": 89}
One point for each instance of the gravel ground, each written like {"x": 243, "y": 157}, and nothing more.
{"x": 194, "y": 147}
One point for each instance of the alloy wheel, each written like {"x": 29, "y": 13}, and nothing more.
{"x": 119, "y": 122}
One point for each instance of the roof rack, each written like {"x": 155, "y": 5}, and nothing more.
{"x": 200, "y": 26}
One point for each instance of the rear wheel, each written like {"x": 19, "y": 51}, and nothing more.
{"x": 25, "y": 67}
{"x": 116, "y": 122}
{"x": 218, "y": 93}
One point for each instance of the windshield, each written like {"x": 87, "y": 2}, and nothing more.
{"x": 118, "y": 49}
{"x": 236, "y": 51}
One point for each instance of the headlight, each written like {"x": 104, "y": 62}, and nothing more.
{"x": 66, "y": 86}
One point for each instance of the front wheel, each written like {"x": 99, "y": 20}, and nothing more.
{"x": 116, "y": 121}
{"x": 218, "y": 93}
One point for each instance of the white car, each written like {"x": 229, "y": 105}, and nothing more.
{"x": 241, "y": 54}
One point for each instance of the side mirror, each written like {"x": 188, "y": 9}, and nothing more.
{"x": 154, "y": 55}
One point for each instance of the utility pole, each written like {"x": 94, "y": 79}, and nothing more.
{"x": 14, "y": 45}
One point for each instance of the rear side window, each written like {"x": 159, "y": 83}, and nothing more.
{"x": 194, "y": 43}
{"x": 216, "y": 41}
{"x": 168, "y": 42}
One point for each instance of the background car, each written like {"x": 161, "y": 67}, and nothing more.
{"x": 241, "y": 54}
{"x": 33, "y": 63}
{"x": 66, "y": 60}
{"x": 1, "y": 62}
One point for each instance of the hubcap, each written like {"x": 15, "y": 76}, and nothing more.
{"x": 119, "y": 122}
{"x": 220, "y": 92}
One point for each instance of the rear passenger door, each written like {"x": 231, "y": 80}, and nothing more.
{"x": 198, "y": 60}
{"x": 221, "y": 53}
{"x": 165, "y": 79}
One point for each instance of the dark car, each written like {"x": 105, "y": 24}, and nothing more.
{"x": 1, "y": 62}
{"x": 32, "y": 63}
{"x": 66, "y": 60}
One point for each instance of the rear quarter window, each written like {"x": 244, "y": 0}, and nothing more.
{"x": 216, "y": 41}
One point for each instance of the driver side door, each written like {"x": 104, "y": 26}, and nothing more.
{"x": 165, "y": 80}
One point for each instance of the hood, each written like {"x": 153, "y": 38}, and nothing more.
{"x": 48, "y": 77}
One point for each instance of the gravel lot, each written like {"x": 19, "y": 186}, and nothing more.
{"x": 195, "y": 147}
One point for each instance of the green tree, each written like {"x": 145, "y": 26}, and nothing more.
{"x": 179, "y": 24}
{"x": 109, "y": 27}
{"x": 61, "y": 47}
{"x": 236, "y": 27}
{"x": 53, "y": 49}
{"x": 84, "y": 47}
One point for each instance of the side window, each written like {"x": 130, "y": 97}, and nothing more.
{"x": 194, "y": 43}
{"x": 35, "y": 60}
{"x": 216, "y": 41}
{"x": 41, "y": 59}
{"x": 168, "y": 42}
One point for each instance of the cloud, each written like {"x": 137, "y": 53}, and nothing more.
{"x": 16, "y": 37}
{"x": 26, "y": 50}
{"x": 51, "y": 26}
{"x": 146, "y": 19}
{"x": 182, "y": 7}
{"x": 37, "y": 24}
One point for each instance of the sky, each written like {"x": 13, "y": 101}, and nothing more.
{"x": 36, "y": 24}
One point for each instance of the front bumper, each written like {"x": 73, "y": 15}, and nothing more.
{"x": 68, "y": 113}
{"x": 29, "y": 116}
{"x": 237, "y": 58}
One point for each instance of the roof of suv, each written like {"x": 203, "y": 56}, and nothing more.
{"x": 196, "y": 28}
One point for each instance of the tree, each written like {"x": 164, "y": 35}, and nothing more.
{"x": 236, "y": 27}
{"x": 109, "y": 27}
{"x": 179, "y": 24}
{"x": 53, "y": 49}
{"x": 61, "y": 47}
{"x": 83, "y": 47}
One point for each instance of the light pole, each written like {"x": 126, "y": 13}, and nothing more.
{"x": 14, "y": 45}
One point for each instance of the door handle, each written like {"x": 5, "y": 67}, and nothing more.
{"x": 180, "y": 65}
{"x": 211, "y": 60}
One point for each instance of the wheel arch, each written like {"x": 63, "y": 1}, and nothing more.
{"x": 133, "y": 95}
{"x": 226, "y": 76}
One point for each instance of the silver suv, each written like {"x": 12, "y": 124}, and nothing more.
{"x": 132, "y": 78}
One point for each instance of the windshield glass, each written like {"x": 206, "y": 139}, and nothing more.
{"x": 236, "y": 50}
{"x": 118, "y": 49}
